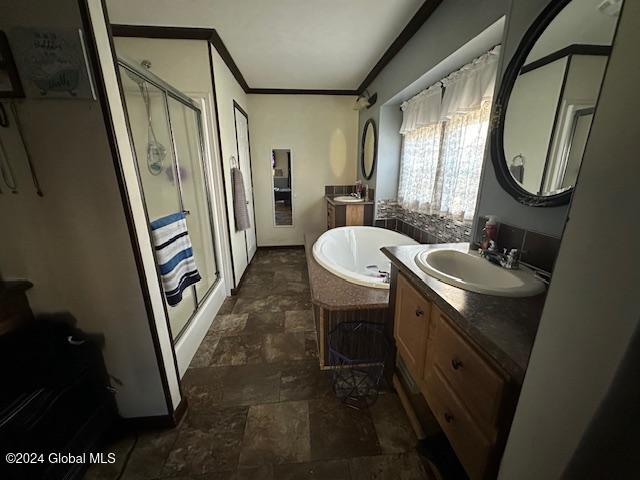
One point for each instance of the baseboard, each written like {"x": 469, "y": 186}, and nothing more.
{"x": 134, "y": 424}
{"x": 274, "y": 247}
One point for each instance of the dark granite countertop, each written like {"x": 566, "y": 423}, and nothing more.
{"x": 334, "y": 293}
{"x": 333, "y": 201}
{"x": 503, "y": 327}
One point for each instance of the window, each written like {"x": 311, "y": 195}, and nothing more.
{"x": 444, "y": 141}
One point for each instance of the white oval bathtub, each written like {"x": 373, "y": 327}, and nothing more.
{"x": 348, "y": 251}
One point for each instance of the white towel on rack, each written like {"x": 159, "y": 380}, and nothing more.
{"x": 240, "y": 204}
{"x": 174, "y": 255}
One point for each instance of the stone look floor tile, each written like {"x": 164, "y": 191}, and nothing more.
{"x": 276, "y": 433}
{"x": 299, "y": 321}
{"x": 393, "y": 427}
{"x": 203, "y": 387}
{"x": 272, "y": 303}
{"x": 405, "y": 466}
{"x": 291, "y": 288}
{"x": 297, "y": 429}
{"x": 255, "y": 276}
{"x": 256, "y": 290}
{"x": 325, "y": 470}
{"x": 304, "y": 381}
{"x": 338, "y": 431}
{"x": 147, "y": 459}
{"x": 284, "y": 347}
{"x": 289, "y": 275}
{"x": 228, "y": 325}
{"x": 110, "y": 471}
{"x": 266, "y": 322}
{"x": 238, "y": 350}
{"x": 227, "y": 305}
{"x": 310, "y": 345}
{"x": 207, "y": 443}
{"x": 251, "y": 384}
{"x": 204, "y": 355}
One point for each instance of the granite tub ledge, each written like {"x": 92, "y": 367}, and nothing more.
{"x": 334, "y": 293}
{"x": 504, "y": 328}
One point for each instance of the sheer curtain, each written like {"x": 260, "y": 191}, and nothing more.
{"x": 444, "y": 141}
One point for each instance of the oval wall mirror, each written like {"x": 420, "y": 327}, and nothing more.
{"x": 548, "y": 98}
{"x": 369, "y": 148}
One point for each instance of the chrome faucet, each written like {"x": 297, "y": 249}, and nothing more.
{"x": 509, "y": 260}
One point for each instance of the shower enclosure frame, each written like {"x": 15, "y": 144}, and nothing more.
{"x": 171, "y": 92}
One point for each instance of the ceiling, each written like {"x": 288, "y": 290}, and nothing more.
{"x": 290, "y": 44}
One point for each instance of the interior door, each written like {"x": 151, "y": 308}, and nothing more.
{"x": 244, "y": 161}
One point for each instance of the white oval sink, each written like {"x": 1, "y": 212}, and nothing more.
{"x": 469, "y": 271}
{"x": 347, "y": 199}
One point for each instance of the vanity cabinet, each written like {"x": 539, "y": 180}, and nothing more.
{"x": 468, "y": 394}
{"x": 340, "y": 214}
{"x": 412, "y": 314}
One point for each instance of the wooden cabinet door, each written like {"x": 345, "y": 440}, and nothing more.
{"x": 331, "y": 216}
{"x": 411, "y": 326}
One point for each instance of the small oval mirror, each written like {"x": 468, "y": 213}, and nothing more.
{"x": 369, "y": 148}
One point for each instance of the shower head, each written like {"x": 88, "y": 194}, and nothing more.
{"x": 137, "y": 78}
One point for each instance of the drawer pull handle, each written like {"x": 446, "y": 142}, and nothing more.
{"x": 448, "y": 417}
{"x": 419, "y": 312}
{"x": 456, "y": 364}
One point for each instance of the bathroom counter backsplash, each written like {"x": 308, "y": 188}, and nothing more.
{"x": 331, "y": 191}
{"x": 422, "y": 227}
{"x": 537, "y": 250}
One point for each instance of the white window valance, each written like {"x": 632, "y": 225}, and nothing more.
{"x": 422, "y": 110}
{"x": 466, "y": 89}
{"x": 444, "y": 140}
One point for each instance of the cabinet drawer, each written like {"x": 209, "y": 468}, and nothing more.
{"x": 478, "y": 385}
{"x": 472, "y": 447}
{"x": 411, "y": 326}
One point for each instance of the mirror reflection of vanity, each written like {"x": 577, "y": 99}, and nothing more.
{"x": 548, "y": 99}
{"x": 282, "y": 187}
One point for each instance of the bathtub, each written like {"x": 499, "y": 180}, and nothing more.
{"x": 348, "y": 251}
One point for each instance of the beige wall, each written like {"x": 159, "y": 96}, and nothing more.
{"x": 73, "y": 244}
{"x": 592, "y": 308}
{"x": 321, "y": 132}
{"x": 227, "y": 90}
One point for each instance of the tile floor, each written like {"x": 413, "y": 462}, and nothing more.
{"x": 260, "y": 407}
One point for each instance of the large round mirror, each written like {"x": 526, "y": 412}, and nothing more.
{"x": 548, "y": 97}
{"x": 369, "y": 148}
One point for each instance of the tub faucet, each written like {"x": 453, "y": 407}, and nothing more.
{"x": 386, "y": 276}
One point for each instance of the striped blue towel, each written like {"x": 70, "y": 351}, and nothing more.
{"x": 174, "y": 255}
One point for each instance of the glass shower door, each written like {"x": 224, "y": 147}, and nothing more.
{"x": 167, "y": 141}
{"x": 185, "y": 124}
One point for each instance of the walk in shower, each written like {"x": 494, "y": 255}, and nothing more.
{"x": 167, "y": 135}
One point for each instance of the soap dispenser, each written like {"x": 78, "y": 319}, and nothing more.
{"x": 489, "y": 232}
